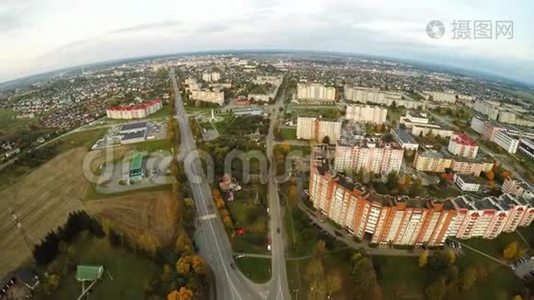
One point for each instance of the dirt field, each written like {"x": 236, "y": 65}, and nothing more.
{"x": 137, "y": 212}
{"x": 42, "y": 201}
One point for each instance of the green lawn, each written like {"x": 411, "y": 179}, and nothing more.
{"x": 255, "y": 268}
{"x": 78, "y": 139}
{"x": 153, "y": 146}
{"x": 125, "y": 280}
{"x": 9, "y": 125}
{"x": 288, "y": 133}
{"x": 92, "y": 194}
{"x": 248, "y": 210}
{"x": 160, "y": 114}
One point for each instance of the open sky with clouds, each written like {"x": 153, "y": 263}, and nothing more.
{"x": 42, "y": 35}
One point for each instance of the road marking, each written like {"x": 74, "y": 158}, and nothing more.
{"x": 207, "y": 217}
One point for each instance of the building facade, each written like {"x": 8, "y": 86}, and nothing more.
{"x": 369, "y": 155}
{"x": 315, "y": 92}
{"x": 208, "y": 96}
{"x": 366, "y": 114}
{"x": 390, "y": 220}
{"x": 138, "y": 111}
{"x": 463, "y": 145}
{"x": 311, "y": 128}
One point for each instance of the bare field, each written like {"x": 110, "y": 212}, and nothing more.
{"x": 42, "y": 200}
{"x": 138, "y": 212}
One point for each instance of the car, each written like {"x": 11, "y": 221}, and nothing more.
{"x": 232, "y": 265}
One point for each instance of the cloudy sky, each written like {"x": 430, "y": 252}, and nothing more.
{"x": 42, "y": 35}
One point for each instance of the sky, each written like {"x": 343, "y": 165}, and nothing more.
{"x": 44, "y": 35}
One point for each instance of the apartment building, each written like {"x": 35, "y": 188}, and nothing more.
{"x": 369, "y": 155}
{"x": 517, "y": 187}
{"x": 315, "y": 92}
{"x": 406, "y": 221}
{"x": 463, "y": 145}
{"x": 137, "y": 111}
{"x": 311, "y": 128}
{"x": 488, "y": 108}
{"x": 526, "y": 148}
{"x": 505, "y": 141}
{"x": 366, "y": 114}
{"x": 434, "y": 161}
{"x": 441, "y": 97}
{"x": 376, "y": 96}
{"x": 208, "y": 96}
{"x": 211, "y": 76}
{"x": 413, "y": 117}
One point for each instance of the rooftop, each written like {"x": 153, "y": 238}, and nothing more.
{"x": 131, "y": 126}
{"x": 404, "y": 136}
{"x": 137, "y": 161}
{"x": 89, "y": 273}
{"x": 463, "y": 139}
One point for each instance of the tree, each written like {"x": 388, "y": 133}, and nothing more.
{"x": 326, "y": 139}
{"x": 393, "y": 180}
{"x": 148, "y": 242}
{"x": 166, "y": 273}
{"x": 423, "y": 258}
{"x": 182, "y": 294}
{"x": 490, "y": 175}
{"x": 469, "y": 277}
{"x": 436, "y": 290}
{"x": 198, "y": 264}
{"x": 450, "y": 257}
{"x": 510, "y": 251}
{"x": 183, "y": 265}
{"x": 293, "y": 193}
{"x": 183, "y": 243}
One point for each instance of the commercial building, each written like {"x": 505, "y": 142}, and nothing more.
{"x": 466, "y": 183}
{"x": 463, "y": 145}
{"x": 369, "y": 155}
{"x": 137, "y": 111}
{"x": 366, "y": 114}
{"x": 208, "y": 96}
{"x": 133, "y": 133}
{"x": 413, "y": 117}
{"x": 136, "y": 171}
{"x": 315, "y": 92}
{"x": 391, "y": 220}
{"x": 426, "y": 129}
{"x": 376, "y": 96}
{"x": 311, "y": 128}
{"x": 506, "y": 137}
{"x": 517, "y": 187}
{"x": 406, "y": 141}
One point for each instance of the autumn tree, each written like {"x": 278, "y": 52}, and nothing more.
{"x": 198, "y": 264}
{"x": 363, "y": 275}
{"x": 182, "y": 294}
{"x": 184, "y": 243}
{"x": 437, "y": 290}
{"x": 469, "y": 277}
{"x": 510, "y": 251}
{"x": 148, "y": 243}
{"x": 423, "y": 258}
{"x": 183, "y": 265}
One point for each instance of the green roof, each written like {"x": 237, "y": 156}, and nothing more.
{"x": 89, "y": 273}
{"x": 137, "y": 161}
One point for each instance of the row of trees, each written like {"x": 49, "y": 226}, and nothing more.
{"x": 223, "y": 211}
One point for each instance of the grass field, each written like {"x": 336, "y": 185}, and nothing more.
{"x": 288, "y": 133}
{"x": 42, "y": 200}
{"x": 256, "y": 269}
{"x": 129, "y": 272}
{"x": 141, "y": 211}
{"x": 9, "y": 125}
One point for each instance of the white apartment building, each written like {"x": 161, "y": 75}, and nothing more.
{"x": 369, "y": 155}
{"x": 488, "y": 108}
{"x": 315, "y": 92}
{"x": 376, "y": 96}
{"x": 526, "y": 147}
{"x": 366, "y": 114}
{"x": 211, "y": 77}
{"x": 517, "y": 187}
{"x": 463, "y": 145}
{"x": 425, "y": 129}
{"x": 413, "y": 117}
{"x": 505, "y": 141}
{"x": 441, "y": 97}
{"x": 208, "y": 96}
{"x": 466, "y": 183}
{"x": 311, "y": 128}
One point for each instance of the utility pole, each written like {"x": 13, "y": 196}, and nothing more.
{"x": 25, "y": 236}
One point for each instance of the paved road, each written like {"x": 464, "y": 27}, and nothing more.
{"x": 279, "y": 286}
{"x": 210, "y": 235}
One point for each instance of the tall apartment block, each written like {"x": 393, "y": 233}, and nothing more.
{"x": 407, "y": 221}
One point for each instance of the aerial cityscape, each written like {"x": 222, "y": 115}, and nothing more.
{"x": 169, "y": 154}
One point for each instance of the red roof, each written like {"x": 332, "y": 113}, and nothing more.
{"x": 144, "y": 105}
{"x": 464, "y": 139}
